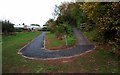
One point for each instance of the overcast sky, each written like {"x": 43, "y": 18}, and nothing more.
{"x": 27, "y": 11}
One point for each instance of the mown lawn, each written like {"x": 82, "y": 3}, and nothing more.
{"x": 96, "y": 61}
{"x": 52, "y": 41}
{"x": 10, "y": 46}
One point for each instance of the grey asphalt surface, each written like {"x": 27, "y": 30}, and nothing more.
{"x": 35, "y": 48}
{"x": 81, "y": 39}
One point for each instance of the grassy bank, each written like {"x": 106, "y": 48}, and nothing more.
{"x": 103, "y": 55}
{"x": 53, "y": 43}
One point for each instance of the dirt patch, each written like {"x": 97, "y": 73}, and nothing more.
{"x": 15, "y": 69}
{"x": 22, "y": 70}
{"x": 57, "y": 61}
{"x": 63, "y": 47}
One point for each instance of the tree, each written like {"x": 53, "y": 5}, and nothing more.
{"x": 7, "y": 27}
{"x": 107, "y": 19}
{"x": 63, "y": 30}
{"x": 51, "y": 25}
{"x": 106, "y": 16}
{"x": 68, "y": 15}
{"x": 23, "y": 24}
{"x": 76, "y": 14}
{"x": 56, "y": 12}
{"x": 70, "y": 12}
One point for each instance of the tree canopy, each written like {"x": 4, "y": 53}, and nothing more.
{"x": 106, "y": 16}
{"x": 102, "y": 16}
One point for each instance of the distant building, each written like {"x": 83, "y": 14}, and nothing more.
{"x": 18, "y": 26}
{"x": 35, "y": 28}
{"x": 28, "y": 27}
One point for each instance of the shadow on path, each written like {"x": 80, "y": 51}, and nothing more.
{"x": 35, "y": 50}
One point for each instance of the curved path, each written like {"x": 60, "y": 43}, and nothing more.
{"x": 35, "y": 48}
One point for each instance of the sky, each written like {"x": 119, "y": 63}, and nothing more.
{"x": 28, "y": 11}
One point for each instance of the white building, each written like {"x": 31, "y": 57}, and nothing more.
{"x": 29, "y": 27}
{"x": 18, "y": 26}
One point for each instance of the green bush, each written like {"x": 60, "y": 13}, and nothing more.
{"x": 71, "y": 40}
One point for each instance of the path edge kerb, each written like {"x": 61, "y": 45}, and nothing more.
{"x": 34, "y": 58}
{"x": 19, "y": 51}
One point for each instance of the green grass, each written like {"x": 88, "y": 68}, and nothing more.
{"x": 71, "y": 40}
{"x": 54, "y": 42}
{"x": 98, "y": 61}
{"x": 107, "y": 61}
{"x": 90, "y": 35}
{"x": 11, "y": 45}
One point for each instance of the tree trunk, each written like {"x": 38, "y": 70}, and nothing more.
{"x": 66, "y": 40}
